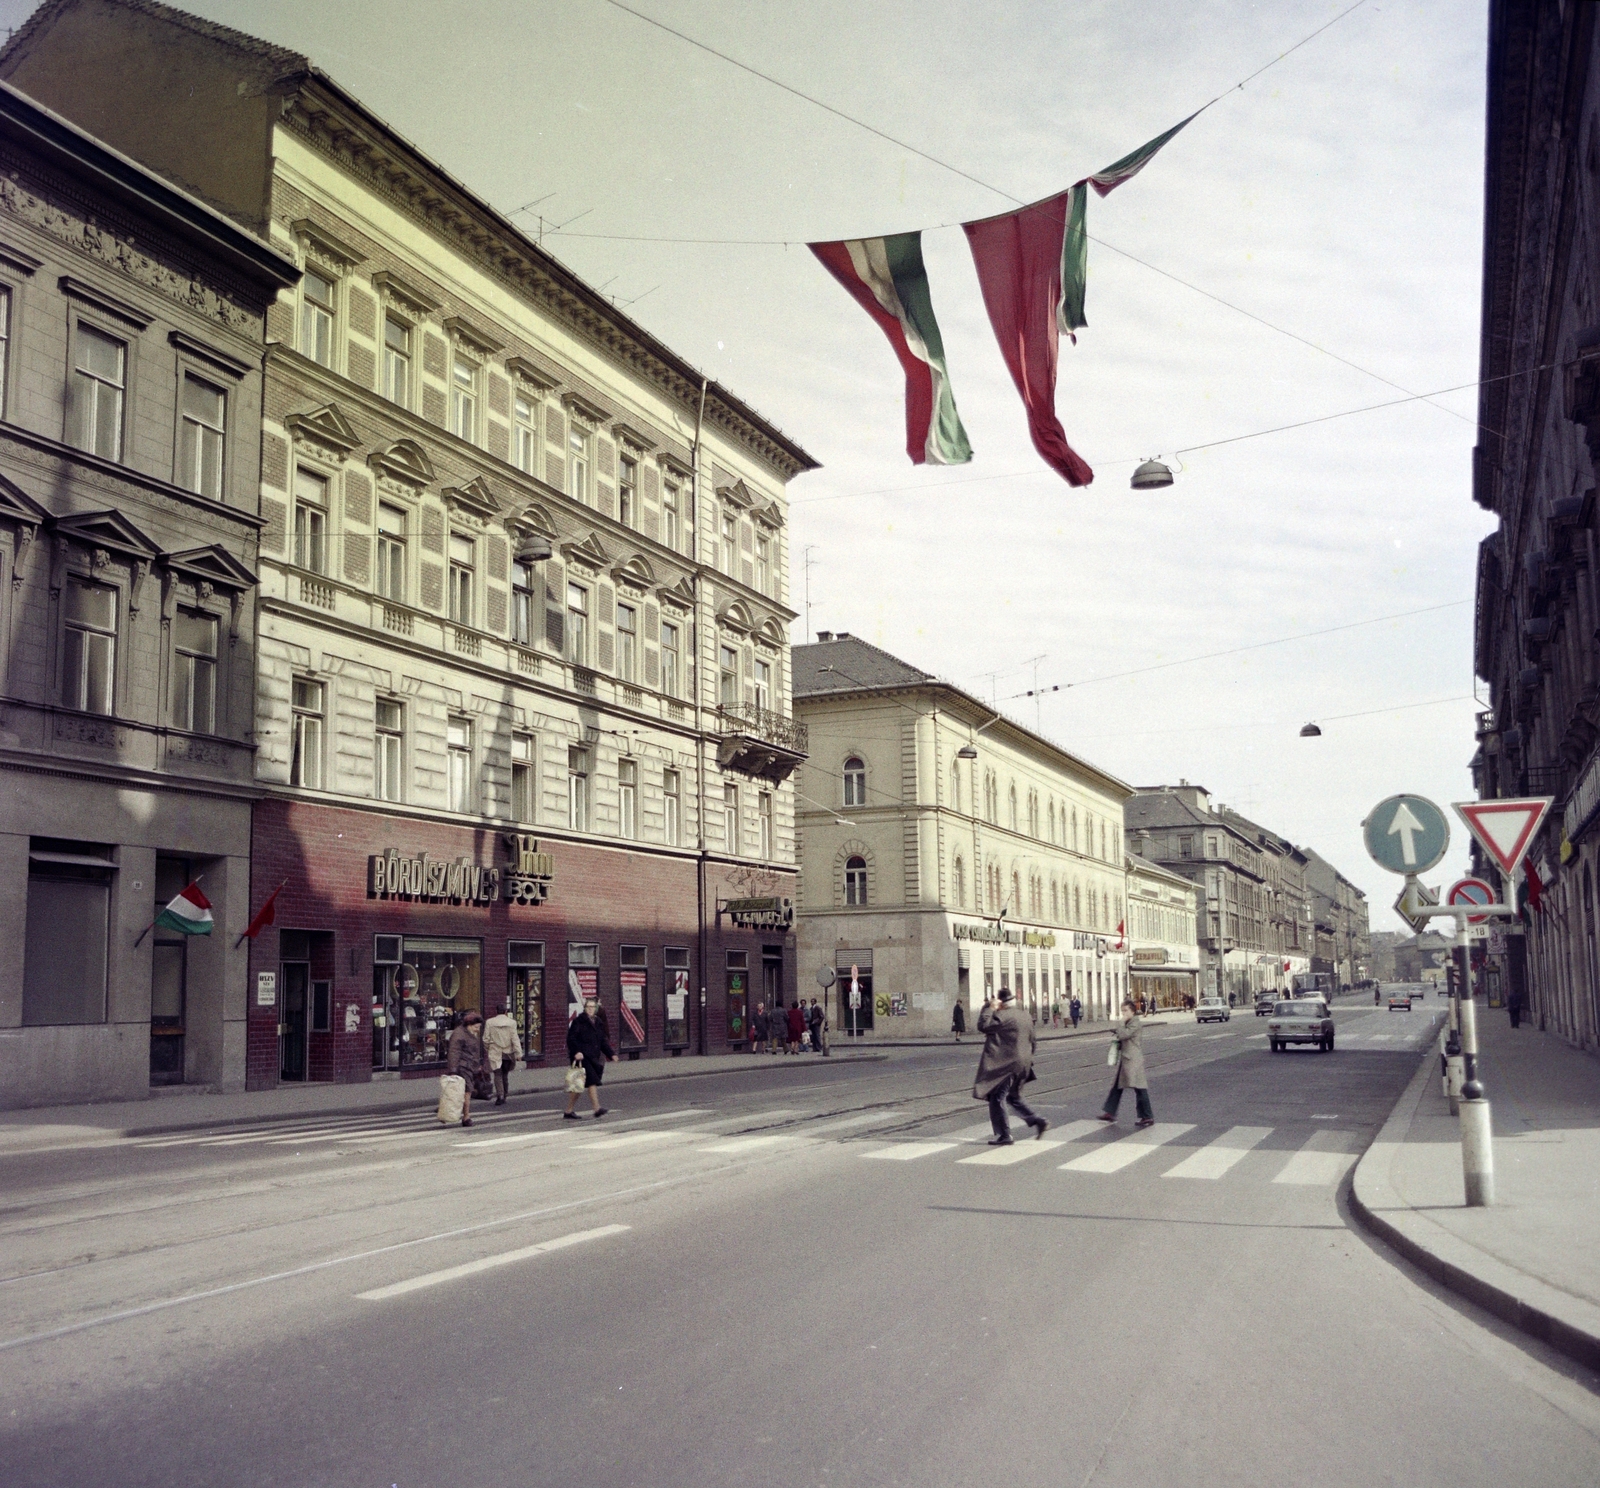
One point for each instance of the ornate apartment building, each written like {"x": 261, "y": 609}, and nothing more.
{"x": 947, "y": 851}
{"x": 522, "y": 716}
{"x": 131, "y": 319}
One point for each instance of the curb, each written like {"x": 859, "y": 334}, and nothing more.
{"x": 414, "y": 1100}
{"x": 1567, "y": 1324}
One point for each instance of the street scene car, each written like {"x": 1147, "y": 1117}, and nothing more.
{"x": 1301, "y": 1020}
{"x": 1212, "y": 1010}
{"x": 1400, "y": 999}
{"x": 1265, "y": 1003}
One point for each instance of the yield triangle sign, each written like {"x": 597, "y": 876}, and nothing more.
{"x": 1504, "y": 828}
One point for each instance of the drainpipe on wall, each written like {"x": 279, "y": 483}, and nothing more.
{"x": 699, "y": 721}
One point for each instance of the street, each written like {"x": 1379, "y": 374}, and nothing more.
{"x": 812, "y": 1273}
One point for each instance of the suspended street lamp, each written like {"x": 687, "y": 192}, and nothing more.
{"x": 1151, "y": 476}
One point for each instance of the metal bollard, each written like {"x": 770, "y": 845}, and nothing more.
{"x": 1477, "y": 1136}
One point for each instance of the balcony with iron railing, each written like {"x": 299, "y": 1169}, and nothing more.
{"x": 757, "y": 741}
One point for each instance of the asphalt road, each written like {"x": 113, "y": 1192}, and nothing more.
{"x": 812, "y": 1274}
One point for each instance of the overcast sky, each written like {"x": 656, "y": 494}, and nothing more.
{"x": 1337, "y": 196}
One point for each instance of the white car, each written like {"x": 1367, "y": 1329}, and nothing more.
{"x": 1212, "y": 1009}
{"x": 1301, "y": 1020}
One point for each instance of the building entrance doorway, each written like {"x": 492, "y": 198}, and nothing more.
{"x": 294, "y": 1018}
{"x": 169, "y": 975}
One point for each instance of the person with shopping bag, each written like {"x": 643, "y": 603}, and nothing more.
{"x": 504, "y": 1046}
{"x": 466, "y": 1059}
{"x": 588, "y": 1048}
{"x": 1126, "y": 1054}
{"x": 1006, "y": 1065}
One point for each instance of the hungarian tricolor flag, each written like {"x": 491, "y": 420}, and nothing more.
{"x": 188, "y": 914}
{"x": 1033, "y": 270}
{"x": 885, "y": 276}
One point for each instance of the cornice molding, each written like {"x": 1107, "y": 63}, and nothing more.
{"x": 321, "y": 244}
{"x": 584, "y": 410}
{"x": 532, "y": 375}
{"x": 104, "y": 301}
{"x": 464, "y": 333}
{"x": 397, "y": 292}
{"x": 208, "y": 353}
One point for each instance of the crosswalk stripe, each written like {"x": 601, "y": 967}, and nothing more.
{"x": 979, "y": 1133}
{"x": 487, "y": 1263}
{"x": 1004, "y": 1157}
{"x": 747, "y": 1144}
{"x": 1323, "y": 1160}
{"x": 628, "y": 1139}
{"x": 1112, "y": 1157}
{"x": 1216, "y": 1158}
{"x": 909, "y": 1151}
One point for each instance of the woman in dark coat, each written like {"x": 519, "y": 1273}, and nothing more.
{"x": 1006, "y": 1062}
{"x": 588, "y": 1045}
{"x": 1130, "y": 1069}
{"x": 465, "y": 1056}
{"x": 958, "y": 1021}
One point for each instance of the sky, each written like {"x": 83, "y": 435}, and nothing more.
{"x": 1337, "y": 196}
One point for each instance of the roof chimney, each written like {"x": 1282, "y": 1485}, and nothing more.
{"x": 824, "y": 635}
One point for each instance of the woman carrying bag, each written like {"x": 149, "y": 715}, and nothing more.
{"x": 588, "y": 1048}
{"x": 1127, "y": 1055}
{"x": 466, "y": 1059}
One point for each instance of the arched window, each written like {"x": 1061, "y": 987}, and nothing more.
{"x": 1052, "y": 816}
{"x": 1094, "y": 908}
{"x": 1055, "y": 902}
{"x": 991, "y": 797}
{"x": 1013, "y": 804}
{"x": 994, "y": 889}
{"x": 855, "y": 782}
{"x": 1105, "y": 852}
{"x": 855, "y": 881}
{"x": 960, "y": 883}
{"x": 955, "y": 786}
{"x": 1077, "y": 904}
{"x": 1074, "y": 829}
{"x": 1016, "y": 892}
{"x": 1088, "y": 832}
{"x": 1033, "y": 813}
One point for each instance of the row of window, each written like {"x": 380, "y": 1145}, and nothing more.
{"x": 463, "y": 787}
{"x": 91, "y": 618}
{"x": 1067, "y": 904}
{"x": 1056, "y": 824}
{"x": 317, "y": 323}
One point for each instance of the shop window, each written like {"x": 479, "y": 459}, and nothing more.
{"x": 583, "y": 980}
{"x": 458, "y": 752}
{"x": 305, "y": 759}
{"x": 738, "y": 995}
{"x": 316, "y": 317}
{"x": 523, "y": 779}
{"x": 578, "y": 789}
{"x": 89, "y": 646}
{"x": 464, "y": 400}
{"x": 194, "y": 672}
{"x": 628, "y": 798}
{"x": 201, "y": 438}
{"x": 388, "y": 750}
{"x": 392, "y": 552}
{"x": 855, "y": 881}
{"x": 855, "y": 781}
{"x": 99, "y": 386}
{"x": 438, "y": 981}
{"x": 68, "y": 932}
{"x": 627, "y": 643}
{"x": 856, "y": 1007}
{"x": 672, "y": 806}
{"x": 397, "y": 361}
{"x": 675, "y": 1032}
{"x": 527, "y": 433}
{"x": 522, "y": 603}
{"x": 633, "y": 1011}
{"x": 463, "y": 558}
{"x": 310, "y": 521}
{"x": 525, "y": 993}
{"x": 627, "y": 490}
{"x": 578, "y": 463}
{"x": 671, "y": 660}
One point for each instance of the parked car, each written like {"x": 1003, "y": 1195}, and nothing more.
{"x": 1212, "y": 1010}
{"x": 1400, "y": 999}
{"x": 1301, "y": 1020}
{"x": 1265, "y": 1003}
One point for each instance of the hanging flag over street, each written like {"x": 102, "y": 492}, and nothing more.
{"x": 886, "y": 277}
{"x": 1504, "y": 829}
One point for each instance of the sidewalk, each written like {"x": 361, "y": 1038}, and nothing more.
{"x": 186, "y": 1108}
{"x": 1531, "y": 1259}
{"x": 1046, "y": 1034}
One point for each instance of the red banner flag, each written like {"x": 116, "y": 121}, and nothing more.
{"x": 266, "y": 915}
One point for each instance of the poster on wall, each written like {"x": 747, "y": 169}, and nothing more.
{"x": 676, "y": 1033}
{"x": 633, "y": 1012}
{"x": 583, "y": 982}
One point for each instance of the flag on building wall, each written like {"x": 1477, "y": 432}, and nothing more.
{"x": 188, "y": 914}
{"x": 886, "y": 277}
{"x": 264, "y": 916}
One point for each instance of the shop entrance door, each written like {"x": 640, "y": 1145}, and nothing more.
{"x": 294, "y": 1026}
{"x": 167, "y": 970}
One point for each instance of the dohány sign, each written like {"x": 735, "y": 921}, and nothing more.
{"x": 995, "y": 935}
{"x": 760, "y": 914}
{"x": 525, "y": 880}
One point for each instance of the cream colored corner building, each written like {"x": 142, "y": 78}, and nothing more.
{"x": 941, "y": 878}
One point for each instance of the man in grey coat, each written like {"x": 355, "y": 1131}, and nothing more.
{"x": 1007, "y": 1061}
{"x": 1130, "y": 1069}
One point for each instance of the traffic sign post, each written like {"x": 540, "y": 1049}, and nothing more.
{"x": 1406, "y": 834}
{"x": 1415, "y": 898}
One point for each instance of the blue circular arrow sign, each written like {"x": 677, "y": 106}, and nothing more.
{"x": 1406, "y": 834}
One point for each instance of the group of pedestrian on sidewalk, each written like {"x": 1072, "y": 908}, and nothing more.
{"x": 786, "y": 1030}
{"x": 1006, "y": 1065}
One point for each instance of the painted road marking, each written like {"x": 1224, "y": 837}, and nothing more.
{"x": 747, "y": 1144}
{"x": 909, "y": 1151}
{"x": 628, "y": 1139}
{"x": 1112, "y": 1157}
{"x": 1004, "y": 1157}
{"x": 1322, "y": 1161}
{"x": 488, "y": 1263}
{"x": 1216, "y": 1158}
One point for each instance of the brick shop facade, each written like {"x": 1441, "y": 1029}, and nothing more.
{"x": 387, "y": 928}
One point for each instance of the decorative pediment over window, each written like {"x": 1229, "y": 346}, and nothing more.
{"x": 405, "y": 297}
{"x": 735, "y": 615}
{"x": 635, "y": 571}
{"x": 464, "y": 333}
{"x": 634, "y": 438}
{"x": 590, "y": 551}
{"x": 681, "y": 593}
{"x": 326, "y": 427}
{"x": 323, "y": 249}
{"x": 531, "y": 375}
{"x": 474, "y": 499}
{"x": 585, "y": 410}
{"x": 213, "y": 565}
{"x": 405, "y": 461}
{"x": 769, "y": 514}
{"x": 107, "y": 530}
{"x": 25, "y": 517}
{"x": 738, "y": 494}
